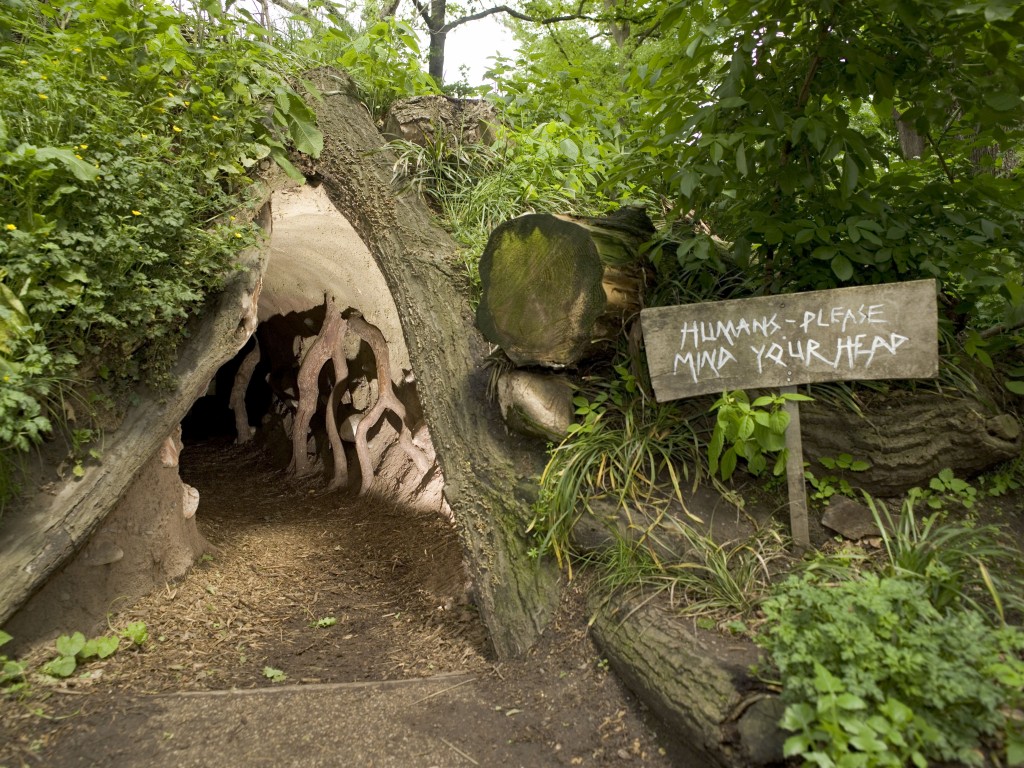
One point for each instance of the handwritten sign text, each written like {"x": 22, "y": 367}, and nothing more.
{"x": 875, "y": 332}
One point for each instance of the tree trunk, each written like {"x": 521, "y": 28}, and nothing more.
{"x": 555, "y": 285}
{"x": 483, "y": 467}
{"x": 435, "y": 56}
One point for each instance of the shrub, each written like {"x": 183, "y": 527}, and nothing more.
{"x": 874, "y": 675}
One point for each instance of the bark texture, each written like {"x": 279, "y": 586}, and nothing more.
{"x": 698, "y": 682}
{"x": 909, "y": 439}
{"x": 482, "y": 466}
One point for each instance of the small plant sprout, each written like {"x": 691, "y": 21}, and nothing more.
{"x": 274, "y": 675}
{"x": 136, "y": 632}
{"x": 11, "y": 671}
{"x": 326, "y": 621}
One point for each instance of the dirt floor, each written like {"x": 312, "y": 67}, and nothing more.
{"x": 306, "y": 593}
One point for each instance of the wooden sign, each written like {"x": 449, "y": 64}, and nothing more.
{"x": 870, "y": 332}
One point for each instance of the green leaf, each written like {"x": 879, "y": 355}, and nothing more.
{"x": 70, "y": 645}
{"x": 1017, "y": 387}
{"x": 741, "y": 159}
{"x": 62, "y": 666}
{"x": 281, "y": 158}
{"x": 1002, "y": 101}
{"x": 136, "y": 632}
{"x": 5, "y": 638}
{"x": 80, "y": 169}
{"x": 304, "y": 134}
{"x": 100, "y": 647}
{"x": 728, "y": 463}
{"x": 842, "y": 267}
{"x": 569, "y": 149}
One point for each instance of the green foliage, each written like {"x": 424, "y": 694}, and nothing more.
{"x": 751, "y": 431}
{"x": 326, "y": 621}
{"x": 550, "y": 168}
{"x": 827, "y": 486}
{"x": 960, "y": 565}
{"x": 136, "y": 633}
{"x": 875, "y": 675}
{"x": 274, "y": 675}
{"x": 12, "y": 672}
{"x": 124, "y": 148}
{"x": 383, "y": 60}
{"x": 73, "y": 649}
{"x": 773, "y": 122}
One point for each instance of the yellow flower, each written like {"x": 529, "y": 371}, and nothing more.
{"x": 186, "y": 103}
{"x": 10, "y": 227}
{"x": 43, "y": 96}
{"x": 231, "y": 218}
{"x": 77, "y": 50}
{"x": 239, "y": 236}
{"x": 42, "y": 77}
{"x": 176, "y": 129}
{"x": 144, "y": 135}
{"x": 103, "y": 77}
{"x": 215, "y": 117}
{"x": 22, "y": 62}
{"x": 78, "y": 156}
{"x": 83, "y": 146}
{"x": 136, "y": 213}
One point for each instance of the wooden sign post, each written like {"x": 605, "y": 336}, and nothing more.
{"x": 871, "y": 332}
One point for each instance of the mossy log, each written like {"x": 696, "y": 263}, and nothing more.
{"x": 553, "y": 286}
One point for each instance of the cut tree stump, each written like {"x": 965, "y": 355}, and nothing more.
{"x": 554, "y": 286}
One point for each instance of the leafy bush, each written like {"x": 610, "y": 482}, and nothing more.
{"x": 126, "y": 134}
{"x": 874, "y": 675}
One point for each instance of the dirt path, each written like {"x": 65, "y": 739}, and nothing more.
{"x": 337, "y": 595}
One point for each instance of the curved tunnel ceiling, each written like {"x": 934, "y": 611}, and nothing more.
{"x": 315, "y": 251}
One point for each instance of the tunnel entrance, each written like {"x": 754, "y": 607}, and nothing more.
{"x": 334, "y": 557}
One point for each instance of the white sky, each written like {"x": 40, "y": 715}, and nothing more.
{"x": 474, "y": 45}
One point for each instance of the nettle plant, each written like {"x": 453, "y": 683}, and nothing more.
{"x": 127, "y": 131}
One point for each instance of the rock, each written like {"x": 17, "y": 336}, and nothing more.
{"x": 849, "y": 518}
{"x": 189, "y": 500}
{"x": 535, "y": 404}
{"x": 427, "y": 119}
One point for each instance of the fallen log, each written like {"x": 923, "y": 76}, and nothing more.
{"x": 553, "y": 287}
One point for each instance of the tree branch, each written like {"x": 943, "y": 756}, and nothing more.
{"x": 424, "y": 13}
{"x": 545, "y": 20}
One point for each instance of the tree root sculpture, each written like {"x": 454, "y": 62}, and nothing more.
{"x": 238, "y": 390}
{"x": 326, "y": 347}
{"x": 387, "y": 400}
